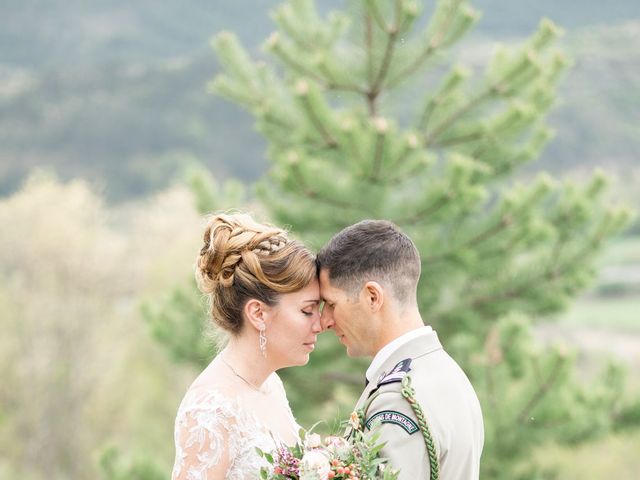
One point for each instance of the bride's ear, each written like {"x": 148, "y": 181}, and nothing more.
{"x": 256, "y": 313}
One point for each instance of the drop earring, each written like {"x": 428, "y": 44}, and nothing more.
{"x": 263, "y": 340}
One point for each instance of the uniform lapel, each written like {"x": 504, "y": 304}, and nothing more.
{"x": 419, "y": 346}
{"x": 365, "y": 394}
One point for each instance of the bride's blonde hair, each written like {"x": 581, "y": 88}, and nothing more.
{"x": 242, "y": 259}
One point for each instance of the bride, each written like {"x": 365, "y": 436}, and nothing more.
{"x": 263, "y": 290}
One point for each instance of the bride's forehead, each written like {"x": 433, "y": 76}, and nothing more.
{"x": 308, "y": 294}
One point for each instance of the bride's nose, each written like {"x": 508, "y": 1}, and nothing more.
{"x": 316, "y": 327}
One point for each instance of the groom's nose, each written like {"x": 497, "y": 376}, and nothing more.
{"x": 326, "y": 319}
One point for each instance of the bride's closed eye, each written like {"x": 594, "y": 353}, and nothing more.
{"x": 309, "y": 311}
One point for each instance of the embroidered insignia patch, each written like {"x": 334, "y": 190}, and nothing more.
{"x": 397, "y": 418}
{"x": 397, "y": 373}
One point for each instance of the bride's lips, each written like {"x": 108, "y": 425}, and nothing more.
{"x": 310, "y": 345}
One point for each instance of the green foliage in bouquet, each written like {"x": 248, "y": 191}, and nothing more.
{"x": 334, "y": 458}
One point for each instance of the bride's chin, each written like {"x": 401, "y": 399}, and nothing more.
{"x": 303, "y": 360}
{"x": 295, "y": 362}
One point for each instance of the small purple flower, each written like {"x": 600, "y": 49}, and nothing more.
{"x": 289, "y": 465}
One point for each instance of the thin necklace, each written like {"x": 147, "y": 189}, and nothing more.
{"x": 257, "y": 389}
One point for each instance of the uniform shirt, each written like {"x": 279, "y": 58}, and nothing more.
{"x": 449, "y": 403}
{"x": 386, "y": 351}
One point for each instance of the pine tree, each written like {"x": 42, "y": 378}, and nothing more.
{"x": 367, "y": 115}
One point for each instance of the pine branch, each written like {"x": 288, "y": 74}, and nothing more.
{"x": 353, "y": 147}
{"x": 329, "y": 140}
{"x": 489, "y": 369}
{"x": 276, "y": 121}
{"x": 312, "y": 194}
{"x": 393, "y": 181}
{"x": 377, "y": 157}
{"x": 474, "y": 103}
{"x": 325, "y": 83}
{"x": 290, "y": 30}
{"x": 293, "y": 64}
{"x": 543, "y": 389}
{"x": 505, "y": 221}
{"x": 408, "y": 148}
{"x": 392, "y": 36}
{"x": 386, "y": 62}
{"x": 332, "y": 84}
{"x": 549, "y": 274}
{"x": 506, "y": 163}
{"x": 368, "y": 42}
{"x": 442, "y": 200}
{"x": 377, "y": 16}
{"x": 432, "y": 47}
{"x": 493, "y": 90}
{"x": 491, "y": 390}
{"x": 458, "y": 140}
{"x": 426, "y": 115}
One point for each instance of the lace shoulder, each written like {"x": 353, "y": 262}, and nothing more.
{"x": 215, "y": 438}
{"x": 283, "y": 393}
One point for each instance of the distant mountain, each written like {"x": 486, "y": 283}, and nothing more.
{"x": 598, "y": 112}
{"x": 115, "y": 91}
{"x": 39, "y": 34}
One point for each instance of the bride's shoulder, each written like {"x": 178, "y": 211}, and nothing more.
{"x": 277, "y": 381}
{"x": 207, "y": 400}
{"x": 209, "y": 392}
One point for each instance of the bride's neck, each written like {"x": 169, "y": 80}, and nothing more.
{"x": 245, "y": 358}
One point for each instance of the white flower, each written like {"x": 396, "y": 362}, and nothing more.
{"x": 338, "y": 446}
{"x": 312, "y": 440}
{"x": 315, "y": 465}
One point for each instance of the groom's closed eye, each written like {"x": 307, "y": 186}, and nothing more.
{"x": 327, "y": 305}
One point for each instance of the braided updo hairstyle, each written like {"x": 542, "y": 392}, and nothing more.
{"x": 242, "y": 259}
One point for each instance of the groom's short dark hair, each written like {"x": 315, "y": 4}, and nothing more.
{"x": 372, "y": 250}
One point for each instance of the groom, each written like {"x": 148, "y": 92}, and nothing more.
{"x": 368, "y": 281}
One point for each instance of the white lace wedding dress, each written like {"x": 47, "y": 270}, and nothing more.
{"x": 220, "y": 422}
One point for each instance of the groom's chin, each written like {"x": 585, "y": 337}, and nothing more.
{"x": 351, "y": 353}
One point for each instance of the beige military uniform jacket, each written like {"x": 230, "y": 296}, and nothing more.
{"x": 450, "y": 406}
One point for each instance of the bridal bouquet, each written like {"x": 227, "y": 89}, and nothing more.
{"x": 332, "y": 458}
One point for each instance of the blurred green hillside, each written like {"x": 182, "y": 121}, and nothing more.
{"x": 115, "y": 92}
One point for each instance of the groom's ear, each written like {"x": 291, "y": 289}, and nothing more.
{"x": 256, "y": 312}
{"x": 373, "y": 295}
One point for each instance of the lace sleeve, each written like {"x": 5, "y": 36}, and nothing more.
{"x": 203, "y": 438}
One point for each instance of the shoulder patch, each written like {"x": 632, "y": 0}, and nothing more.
{"x": 397, "y": 373}
{"x": 391, "y": 416}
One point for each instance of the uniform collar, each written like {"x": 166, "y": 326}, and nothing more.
{"x": 390, "y": 348}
